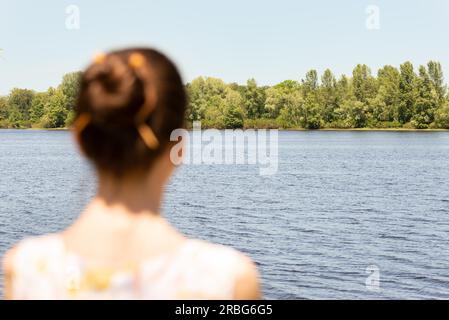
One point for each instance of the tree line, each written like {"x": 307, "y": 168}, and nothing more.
{"x": 394, "y": 98}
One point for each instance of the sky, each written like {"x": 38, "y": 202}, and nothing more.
{"x": 235, "y": 40}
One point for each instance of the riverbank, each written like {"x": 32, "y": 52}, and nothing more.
{"x": 375, "y": 129}
{"x": 283, "y": 129}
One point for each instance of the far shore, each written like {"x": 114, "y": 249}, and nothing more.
{"x": 371, "y": 129}
{"x": 281, "y": 129}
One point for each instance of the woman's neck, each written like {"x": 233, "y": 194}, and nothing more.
{"x": 134, "y": 194}
{"x": 124, "y": 214}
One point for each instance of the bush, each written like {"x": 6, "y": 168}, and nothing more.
{"x": 383, "y": 124}
{"x": 420, "y": 121}
{"x": 70, "y": 118}
{"x": 442, "y": 118}
{"x": 233, "y": 118}
{"x": 338, "y": 124}
{"x": 210, "y": 123}
{"x": 263, "y": 123}
{"x": 313, "y": 123}
{"x": 407, "y": 125}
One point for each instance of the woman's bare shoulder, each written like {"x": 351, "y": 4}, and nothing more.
{"x": 27, "y": 245}
{"x": 247, "y": 281}
{"x": 8, "y": 260}
{"x": 8, "y": 270}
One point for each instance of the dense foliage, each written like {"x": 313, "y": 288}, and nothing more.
{"x": 395, "y": 98}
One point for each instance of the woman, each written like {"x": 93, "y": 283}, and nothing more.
{"x": 121, "y": 247}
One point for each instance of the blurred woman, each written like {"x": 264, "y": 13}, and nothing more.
{"x": 121, "y": 247}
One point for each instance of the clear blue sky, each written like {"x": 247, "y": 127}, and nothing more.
{"x": 231, "y": 39}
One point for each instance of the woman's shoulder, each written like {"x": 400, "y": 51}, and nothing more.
{"x": 8, "y": 260}
{"x": 218, "y": 253}
{"x": 196, "y": 264}
{"x": 26, "y": 258}
{"x": 39, "y": 242}
{"x": 31, "y": 248}
{"x": 227, "y": 260}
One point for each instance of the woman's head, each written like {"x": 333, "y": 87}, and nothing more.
{"x": 129, "y": 103}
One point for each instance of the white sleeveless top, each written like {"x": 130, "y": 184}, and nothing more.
{"x": 44, "y": 269}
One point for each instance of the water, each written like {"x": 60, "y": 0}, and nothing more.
{"x": 340, "y": 202}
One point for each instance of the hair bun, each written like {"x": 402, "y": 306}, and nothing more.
{"x": 129, "y": 103}
{"x": 115, "y": 93}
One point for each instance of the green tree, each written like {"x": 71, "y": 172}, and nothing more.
{"x": 70, "y": 118}
{"x": 278, "y": 97}
{"x": 310, "y": 83}
{"x": 353, "y": 114}
{"x": 273, "y": 102}
{"x": 436, "y": 77}
{"x": 385, "y": 104}
{"x": 328, "y": 94}
{"x": 19, "y": 104}
{"x": 70, "y": 86}
{"x": 233, "y": 111}
{"x": 426, "y": 101}
{"x": 55, "y": 111}
{"x": 407, "y": 92}
{"x": 3, "y": 112}
{"x": 442, "y": 117}
{"x": 254, "y": 100}
{"x": 204, "y": 94}
{"x": 38, "y": 106}
{"x": 310, "y": 114}
{"x": 364, "y": 83}
{"x": 291, "y": 114}
{"x": 344, "y": 89}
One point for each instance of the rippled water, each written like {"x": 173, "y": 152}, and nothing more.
{"x": 340, "y": 202}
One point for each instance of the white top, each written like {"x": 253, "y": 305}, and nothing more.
{"x": 44, "y": 269}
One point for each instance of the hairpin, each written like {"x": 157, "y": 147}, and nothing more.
{"x": 99, "y": 58}
{"x": 148, "y": 136}
{"x": 82, "y": 121}
{"x": 136, "y": 60}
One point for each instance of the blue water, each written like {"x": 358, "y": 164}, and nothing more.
{"x": 340, "y": 202}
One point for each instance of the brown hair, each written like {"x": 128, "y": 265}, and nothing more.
{"x": 129, "y": 103}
